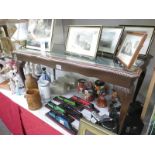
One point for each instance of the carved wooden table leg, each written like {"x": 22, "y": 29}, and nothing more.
{"x": 126, "y": 96}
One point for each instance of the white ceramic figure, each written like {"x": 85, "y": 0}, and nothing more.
{"x": 19, "y": 84}
{"x": 12, "y": 86}
{"x": 16, "y": 83}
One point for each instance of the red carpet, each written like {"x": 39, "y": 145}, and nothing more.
{"x": 20, "y": 121}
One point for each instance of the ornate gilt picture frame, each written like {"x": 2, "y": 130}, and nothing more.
{"x": 88, "y": 128}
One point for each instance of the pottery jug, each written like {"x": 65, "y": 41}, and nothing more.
{"x": 30, "y": 82}
{"x": 33, "y": 99}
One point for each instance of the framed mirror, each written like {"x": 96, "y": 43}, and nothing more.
{"x": 88, "y": 128}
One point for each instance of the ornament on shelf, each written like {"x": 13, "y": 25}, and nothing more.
{"x": 99, "y": 86}
{"x": 89, "y": 95}
{"x": 81, "y": 85}
{"x": 33, "y": 99}
{"x": 101, "y": 101}
{"x": 15, "y": 81}
{"x": 30, "y": 82}
{"x": 44, "y": 89}
{"x": 44, "y": 75}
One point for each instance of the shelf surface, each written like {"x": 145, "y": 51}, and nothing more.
{"x": 101, "y": 67}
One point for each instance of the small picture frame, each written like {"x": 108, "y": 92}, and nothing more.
{"x": 130, "y": 48}
{"x": 109, "y": 40}
{"x": 88, "y": 128}
{"x": 83, "y": 41}
{"x": 149, "y": 30}
{"x": 40, "y": 31}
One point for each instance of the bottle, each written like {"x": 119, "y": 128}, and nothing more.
{"x": 44, "y": 75}
{"x": 44, "y": 89}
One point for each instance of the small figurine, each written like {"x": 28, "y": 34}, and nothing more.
{"x": 101, "y": 101}
{"x": 81, "y": 85}
{"x": 11, "y": 82}
{"x": 99, "y": 86}
{"x": 19, "y": 84}
{"x": 15, "y": 81}
{"x": 89, "y": 95}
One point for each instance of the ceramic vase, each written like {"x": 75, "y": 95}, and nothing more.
{"x": 33, "y": 99}
{"x": 30, "y": 82}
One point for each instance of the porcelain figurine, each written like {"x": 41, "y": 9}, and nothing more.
{"x": 12, "y": 82}
{"x": 15, "y": 81}
{"x": 19, "y": 84}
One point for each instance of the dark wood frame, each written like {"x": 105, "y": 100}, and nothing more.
{"x": 135, "y": 55}
{"x": 84, "y": 26}
{"x": 104, "y": 53}
{"x": 141, "y": 56}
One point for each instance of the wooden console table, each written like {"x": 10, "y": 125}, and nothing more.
{"x": 102, "y": 68}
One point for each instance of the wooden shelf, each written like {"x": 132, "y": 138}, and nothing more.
{"x": 123, "y": 80}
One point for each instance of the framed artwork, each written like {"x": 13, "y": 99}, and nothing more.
{"x": 88, "y": 128}
{"x": 40, "y": 33}
{"x": 110, "y": 37}
{"x": 83, "y": 40}
{"x": 149, "y": 30}
{"x": 130, "y": 48}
